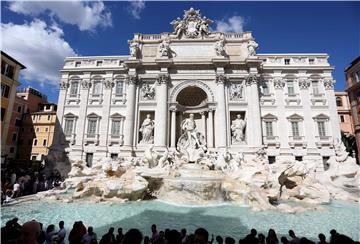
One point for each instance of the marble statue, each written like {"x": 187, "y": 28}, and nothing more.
{"x": 146, "y": 130}
{"x": 340, "y": 151}
{"x": 148, "y": 91}
{"x": 237, "y": 128}
{"x": 192, "y": 25}
{"x": 150, "y": 157}
{"x": 179, "y": 26}
{"x": 252, "y": 46}
{"x": 220, "y": 47}
{"x": 191, "y": 140}
{"x": 164, "y": 48}
{"x": 134, "y": 49}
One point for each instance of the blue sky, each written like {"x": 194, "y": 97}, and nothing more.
{"x": 41, "y": 34}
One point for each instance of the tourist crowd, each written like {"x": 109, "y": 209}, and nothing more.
{"x": 33, "y": 232}
{"x": 16, "y": 182}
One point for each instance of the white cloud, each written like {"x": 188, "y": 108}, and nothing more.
{"x": 232, "y": 24}
{"x": 86, "y": 15}
{"x": 135, "y": 8}
{"x": 41, "y": 48}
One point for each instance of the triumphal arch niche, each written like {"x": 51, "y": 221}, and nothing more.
{"x": 197, "y": 89}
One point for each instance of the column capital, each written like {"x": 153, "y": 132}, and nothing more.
{"x": 109, "y": 83}
{"x": 163, "y": 78}
{"x": 64, "y": 84}
{"x": 132, "y": 79}
{"x": 220, "y": 79}
{"x": 304, "y": 83}
{"x": 86, "y": 83}
{"x": 328, "y": 83}
{"x": 278, "y": 83}
{"x": 203, "y": 113}
{"x": 251, "y": 79}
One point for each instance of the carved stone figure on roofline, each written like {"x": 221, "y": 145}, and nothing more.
{"x": 193, "y": 25}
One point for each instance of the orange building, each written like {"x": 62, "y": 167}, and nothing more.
{"x": 352, "y": 74}
{"x": 344, "y": 111}
{"x": 10, "y": 69}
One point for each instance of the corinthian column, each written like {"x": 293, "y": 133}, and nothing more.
{"x": 130, "y": 113}
{"x": 221, "y": 128}
{"x": 254, "y": 116}
{"x": 173, "y": 128}
{"x": 161, "y": 111}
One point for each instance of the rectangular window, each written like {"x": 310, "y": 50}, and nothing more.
{"x": 44, "y": 142}
{"x": 311, "y": 61}
{"x": 49, "y": 116}
{"x": 119, "y": 88}
{"x": 77, "y": 64}
{"x": 325, "y": 162}
{"x": 14, "y": 136}
{"x": 271, "y": 159}
{"x": 74, "y": 88}
{"x": 287, "y": 61}
{"x": 299, "y": 158}
{"x": 357, "y": 76}
{"x": 265, "y": 88}
{"x": 321, "y": 128}
{"x": 37, "y": 129}
{"x": 18, "y": 123}
{"x": 115, "y": 128}
{"x": 92, "y": 127}
{"x": 99, "y": 63}
{"x": 46, "y": 129}
{"x": 19, "y": 109}
{"x": 114, "y": 156}
{"x": 295, "y": 129}
{"x": 315, "y": 87}
{"x": 5, "y": 90}
{"x": 290, "y": 86}
{"x": 269, "y": 129}
{"x": 3, "y": 110}
{"x": 97, "y": 88}
{"x": 35, "y": 142}
{"x": 68, "y": 128}
{"x": 342, "y": 118}
{"x": 89, "y": 159}
{"x": 7, "y": 69}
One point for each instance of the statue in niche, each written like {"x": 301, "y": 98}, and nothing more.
{"x": 148, "y": 92}
{"x": 191, "y": 141}
{"x": 237, "y": 129}
{"x": 146, "y": 130}
{"x": 236, "y": 91}
{"x": 252, "y": 46}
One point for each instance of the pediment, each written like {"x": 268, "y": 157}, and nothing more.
{"x": 70, "y": 115}
{"x": 295, "y": 117}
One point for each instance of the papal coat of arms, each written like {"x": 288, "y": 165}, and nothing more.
{"x": 193, "y": 25}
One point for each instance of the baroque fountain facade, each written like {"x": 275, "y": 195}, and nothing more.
{"x": 195, "y": 117}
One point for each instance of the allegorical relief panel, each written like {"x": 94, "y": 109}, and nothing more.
{"x": 236, "y": 91}
{"x": 147, "y": 91}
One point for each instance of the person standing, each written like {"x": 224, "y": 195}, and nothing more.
{"x": 61, "y": 233}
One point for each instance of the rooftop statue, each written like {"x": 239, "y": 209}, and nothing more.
{"x": 193, "y": 25}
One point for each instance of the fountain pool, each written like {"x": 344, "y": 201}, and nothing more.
{"x": 226, "y": 219}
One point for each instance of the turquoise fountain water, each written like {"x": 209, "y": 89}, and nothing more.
{"x": 225, "y": 220}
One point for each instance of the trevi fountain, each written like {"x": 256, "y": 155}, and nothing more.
{"x": 204, "y": 129}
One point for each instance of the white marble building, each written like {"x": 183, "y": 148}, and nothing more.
{"x": 286, "y": 102}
